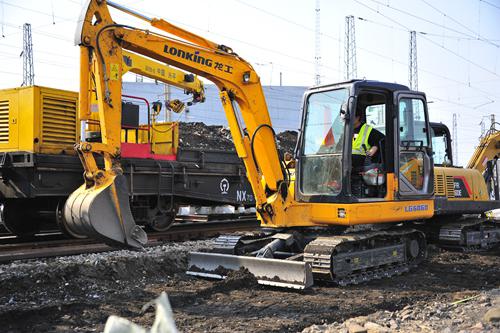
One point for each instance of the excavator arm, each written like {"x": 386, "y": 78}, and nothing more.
{"x": 487, "y": 150}
{"x": 485, "y": 160}
{"x": 146, "y": 67}
{"x": 100, "y": 207}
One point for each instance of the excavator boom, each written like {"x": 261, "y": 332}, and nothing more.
{"x": 103, "y": 44}
{"x": 485, "y": 160}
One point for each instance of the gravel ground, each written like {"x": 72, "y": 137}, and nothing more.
{"x": 471, "y": 312}
{"x": 78, "y": 293}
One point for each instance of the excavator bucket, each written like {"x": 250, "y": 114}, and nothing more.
{"x": 104, "y": 213}
{"x": 272, "y": 272}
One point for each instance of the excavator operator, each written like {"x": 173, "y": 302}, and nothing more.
{"x": 366, "y": 155}
{"x": 365, "y": 142}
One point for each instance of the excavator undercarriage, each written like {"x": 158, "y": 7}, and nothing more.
{"x": 464, "y": 233}
{"x": 347, "y": 258}
{"x": 296, "y": 259}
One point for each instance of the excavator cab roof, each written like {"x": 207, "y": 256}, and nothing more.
{"x": 357, "y": 84}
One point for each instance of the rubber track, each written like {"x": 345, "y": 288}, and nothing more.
{"x": 456, "y": 235}
{"x": 321, "y": 254}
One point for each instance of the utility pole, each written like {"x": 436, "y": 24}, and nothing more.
{"x": 455, "y": 138}
{"x": 483, "y": 128}
{"x": 317, "y": 44}
{"x": 27, "y": 54}
{"x": 412, "y": 62}
{"x": 350, "y": 49}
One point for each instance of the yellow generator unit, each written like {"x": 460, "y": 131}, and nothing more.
{"x": 39, "y": 120}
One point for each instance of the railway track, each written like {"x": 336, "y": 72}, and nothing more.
{"x": 47, "y": 245}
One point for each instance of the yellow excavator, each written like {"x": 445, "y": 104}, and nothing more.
{"x": 329, "y": 221}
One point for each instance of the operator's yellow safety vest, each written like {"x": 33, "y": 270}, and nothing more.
{"x": 362, "y": 138}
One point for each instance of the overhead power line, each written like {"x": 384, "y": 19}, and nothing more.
{"x": 489, "y": 3}
{"x": 460, "y": 24}
{"x": 458, "y": 38}
{"x": 431, "y": 41}
{"x": 37, "y": 11}
{"x": 383, "y": 57}
{"x": 38, "y": 32}
{"x": 277, "y": 16}
{"x": 425, "y": 20}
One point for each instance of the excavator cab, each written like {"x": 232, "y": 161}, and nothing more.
{"x": 328, "y": 166}
{"x": 441, "y": 145}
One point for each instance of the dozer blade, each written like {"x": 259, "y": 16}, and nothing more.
{"x": 272, "y": 272}
{"x": 104, "y": 213}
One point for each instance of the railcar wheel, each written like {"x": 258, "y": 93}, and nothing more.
{"x": 161, "y": 222}
{"x": 19, "y": 218}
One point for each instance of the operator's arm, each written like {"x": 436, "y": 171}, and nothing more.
{"x": 374, "y": 140}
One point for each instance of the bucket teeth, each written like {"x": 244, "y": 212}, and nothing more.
{"x": 104, "y": 213}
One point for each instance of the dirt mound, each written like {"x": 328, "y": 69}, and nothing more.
{"x": 214, "y": 137}
{"x": 201, "y": 136}
{"x": 241, "y": 278}
{"x": 287, "y": 141}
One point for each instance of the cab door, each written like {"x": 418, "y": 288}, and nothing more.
{"x": 413, "y": 160}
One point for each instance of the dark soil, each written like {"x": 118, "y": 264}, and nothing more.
{"x": 201, "y": 136}
{"x": 287, "y": 141}
{"x": 79, "y": 298}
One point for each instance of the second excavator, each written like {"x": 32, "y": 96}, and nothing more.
{"x": 325, "y": 219}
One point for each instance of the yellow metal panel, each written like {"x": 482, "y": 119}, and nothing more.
{"x": 143, "y": 134}
{"x": 28, "y": 138}
{"x": 9, "y": 122}
{"x": 129, "y": 136}
{"x": 471, "y": 178}
{"x": 59, "y": 126}
{"x": 165, "y": 138}
{"x": 322, "y": 214}
{"x": 439, "y": 183}
{"x": 380, "y": 212}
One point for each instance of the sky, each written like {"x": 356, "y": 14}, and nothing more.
{"x": 458, "y": 45}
